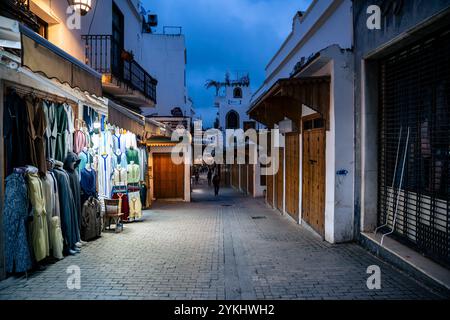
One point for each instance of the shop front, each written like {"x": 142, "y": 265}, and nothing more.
{"x": 169, "y": 180}
{"x": 75, "y": 156}
{"x": 43, "y": 203}
{"x": 313, "y": 183}
{"x": 403, "y": 107}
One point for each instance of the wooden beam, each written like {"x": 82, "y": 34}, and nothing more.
{"x": 312, "y": 92}
{"x": 290, "y": 108}
{"x": 286, "y": 98}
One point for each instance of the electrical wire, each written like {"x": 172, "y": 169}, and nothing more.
{"x": 93, "y": 17}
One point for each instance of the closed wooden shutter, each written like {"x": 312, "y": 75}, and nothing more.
{"x": 168, "y": 178}
{"x": 279, "y": 181}
{"x": 292, "y": 175}
{"x": 251, "y": 179}
{"x": 269, "y": 192}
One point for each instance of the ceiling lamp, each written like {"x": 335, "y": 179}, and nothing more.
{"x": 82, "y": 6}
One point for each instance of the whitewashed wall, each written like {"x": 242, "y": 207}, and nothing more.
{"x": 102, "y": 24}
{"x": 326, "y": 23}
{"x": 165, "y": 60}
{"x": 327, "y": 28}
{"x": 228, "y": 103}
{"x": 55, "y": 14}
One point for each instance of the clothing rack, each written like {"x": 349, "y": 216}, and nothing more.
{"x": 24, "y": 90}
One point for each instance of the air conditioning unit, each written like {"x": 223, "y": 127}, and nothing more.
{"x": 152, "y": 20}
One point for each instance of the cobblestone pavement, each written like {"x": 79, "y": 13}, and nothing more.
{"x": 213, "y": 248}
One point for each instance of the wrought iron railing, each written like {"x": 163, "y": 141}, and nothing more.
{"x": 104, "y": 55}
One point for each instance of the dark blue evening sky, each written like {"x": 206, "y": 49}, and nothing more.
{"x": 230, "y": 35}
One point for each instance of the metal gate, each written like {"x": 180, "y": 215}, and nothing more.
{"x": 414, "y": 142}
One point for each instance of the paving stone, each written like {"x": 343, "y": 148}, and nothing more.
{"x": 203, "y": 250}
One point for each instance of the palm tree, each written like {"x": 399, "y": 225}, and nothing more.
{"x": 214, "y": 84}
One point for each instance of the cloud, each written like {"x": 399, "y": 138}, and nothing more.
{"x": 231, "y": 35}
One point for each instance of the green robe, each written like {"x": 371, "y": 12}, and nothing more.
{"x": 132, "y": 155}
{"x": 62, "y": 123}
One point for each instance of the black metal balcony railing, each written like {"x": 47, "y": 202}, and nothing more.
{"x": 107, "y": 57}
{"x": 19, "y": 10}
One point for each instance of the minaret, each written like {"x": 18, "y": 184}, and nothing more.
{"x": 232, "y": 100}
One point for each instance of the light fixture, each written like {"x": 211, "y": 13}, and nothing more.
{"x": 82, "y": 6}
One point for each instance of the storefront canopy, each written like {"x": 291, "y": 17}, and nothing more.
{"x": 287, "y": 96}
{"x": 160, "y": 141}
{"x": 155, "y": 128}
{"x": 41, "y": 56}
{"x": 125, "y": 118}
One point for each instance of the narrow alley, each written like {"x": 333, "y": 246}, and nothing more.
{"x": 230, "y": 247}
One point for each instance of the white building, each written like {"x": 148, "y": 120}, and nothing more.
{"x": 166, "y": 57}
{"x": 232, "y": 101}
{"x": 114, "y": 42}
{"x": 308, "y": 94}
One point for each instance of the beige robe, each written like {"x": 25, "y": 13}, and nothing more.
{"x": 39, "y": 228}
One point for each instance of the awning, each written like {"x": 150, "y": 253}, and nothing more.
{"x": 22, "y": 79}
{"x": 99, "y": 104}
{"x": 161, "y": 141}
{"x": 26, "y": 78}
{"x": 125, "y": 118}
{"x": 155, "y": 128}
{"x": 41, "y": 56}
{"x": 287, "y": 96}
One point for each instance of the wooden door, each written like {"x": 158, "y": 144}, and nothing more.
{"x": 269, "y": 178}
{"x": 292, "y": 174}
{"x": 313, "y": 200}
{"x": 279, "y": 181}
{"x": 251, "y": 179}
{"x": 244, "y": 180}
{"x": 235, "y": 180}
{"x": 269, "y": 190}
{"x": 225, "y": 175}
{"x": 168, "y": 178}
{"x": 242, "y": 177}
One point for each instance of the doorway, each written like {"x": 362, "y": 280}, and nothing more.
{"x": 279, "y": 181}
{"x": 313, "y": 194}
{"x": 168, "y": 177}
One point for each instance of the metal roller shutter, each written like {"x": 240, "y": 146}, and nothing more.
{"x": 414, "y": 142}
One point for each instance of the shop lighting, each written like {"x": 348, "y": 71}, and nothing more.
{"x": 82, "y": 6}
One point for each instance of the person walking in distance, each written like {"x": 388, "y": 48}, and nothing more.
{"x": 209, "y": 176}
{"x": 216, "y": 182}
{"x": 197, "y": 176}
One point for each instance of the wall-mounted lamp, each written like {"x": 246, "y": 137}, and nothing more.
{"x": 82, "y": 6}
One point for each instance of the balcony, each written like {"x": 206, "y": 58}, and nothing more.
{"x": 19, "y": 10}
{"x": 122, "y": 77}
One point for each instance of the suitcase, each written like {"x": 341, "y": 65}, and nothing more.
{"x": 91, "y": 220}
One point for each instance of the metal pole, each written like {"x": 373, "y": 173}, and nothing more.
{"x": 393, "y": 179}
{"x": 399, "y": 189}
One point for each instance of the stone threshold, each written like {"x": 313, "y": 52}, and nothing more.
{"x": 409, "y": 261}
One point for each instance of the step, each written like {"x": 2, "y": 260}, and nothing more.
{"x": 409, "y": 261}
